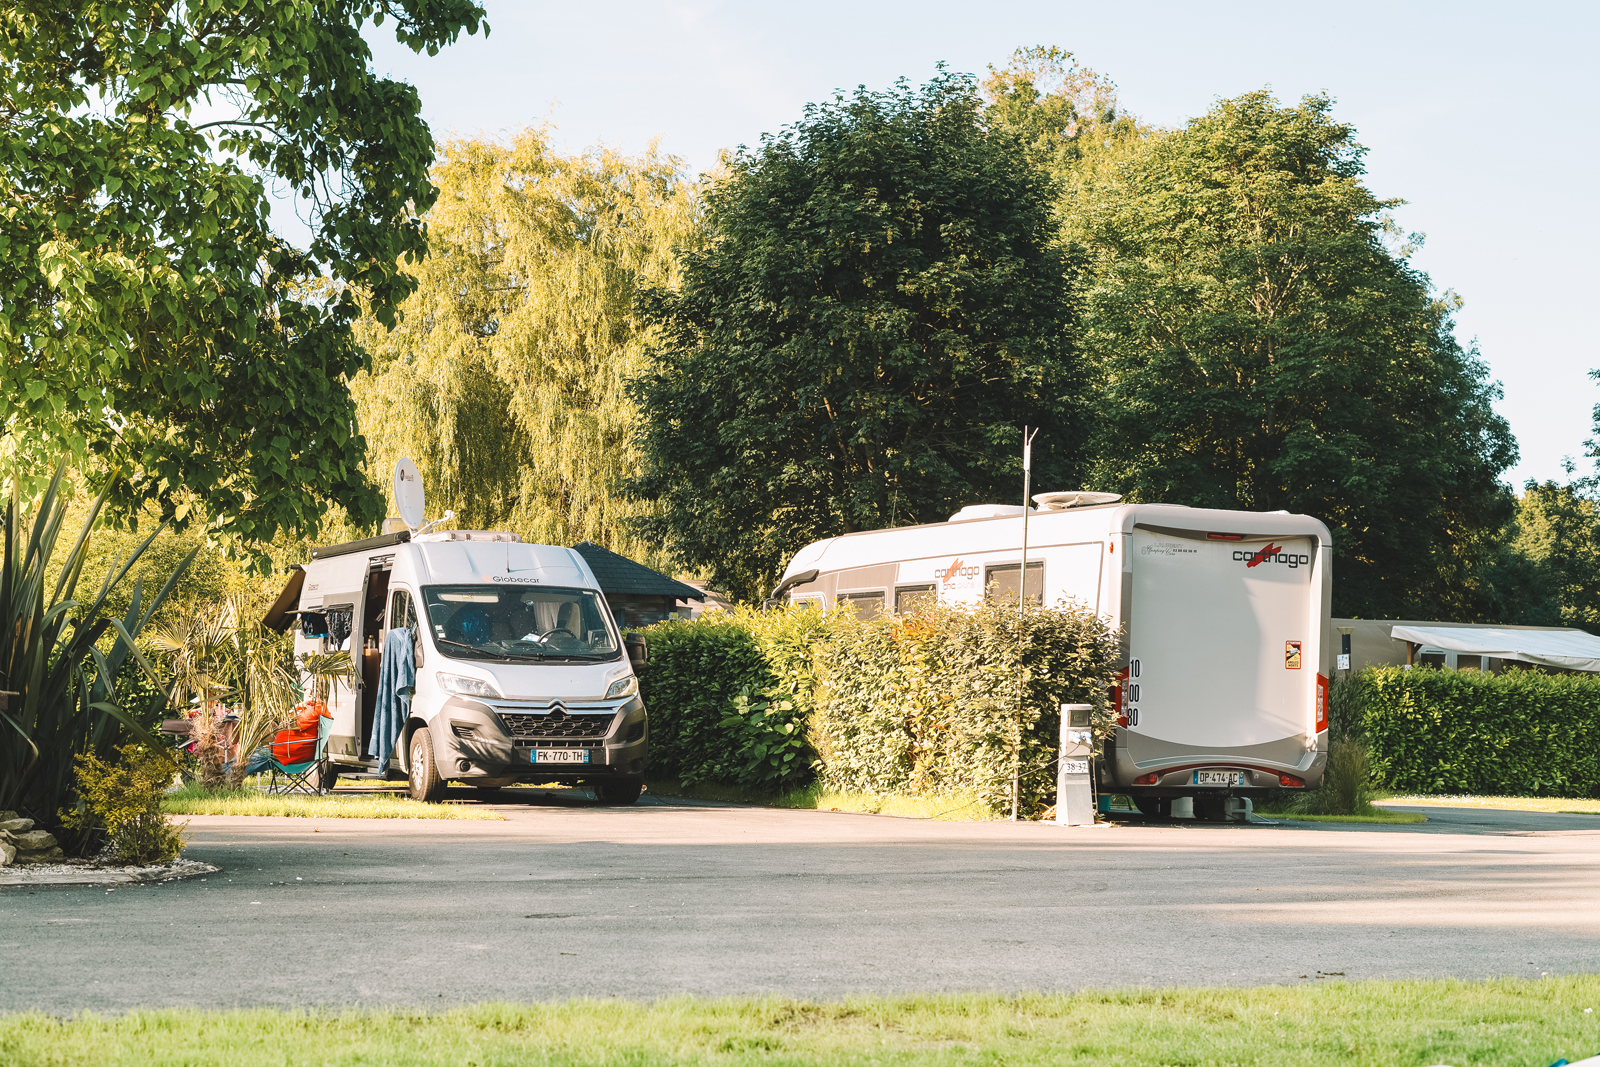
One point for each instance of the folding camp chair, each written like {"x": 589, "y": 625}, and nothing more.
{"x": 305, "y": 777}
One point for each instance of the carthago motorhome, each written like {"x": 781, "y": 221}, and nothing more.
{"x": 1224, "y": 619}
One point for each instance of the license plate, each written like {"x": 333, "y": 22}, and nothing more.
{"x": 1218, "y": 778}
{"x": 560, "y": 755}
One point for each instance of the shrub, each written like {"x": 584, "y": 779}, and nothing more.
{"x": 124, "y": 800}
{"x": 953, "y": 700}
{"x": 1521, "y": 732}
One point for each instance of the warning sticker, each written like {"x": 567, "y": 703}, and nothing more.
{"x": 1291, "y": 655}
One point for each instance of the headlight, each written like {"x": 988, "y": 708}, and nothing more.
{"x": 623, "y": 687}
{"x": 472, "y": 687}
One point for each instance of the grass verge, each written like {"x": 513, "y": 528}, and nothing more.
{"x": 954, "y": 807}
{"x": 1564, "y": 805}
{"x": 192, "y": 800}
{"x": 1509, "y": 1022}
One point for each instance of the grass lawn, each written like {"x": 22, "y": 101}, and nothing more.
{"x": 1568, "y": 805}
{"x": 192, "y": 800}
{"x": 1516, "y": 1023}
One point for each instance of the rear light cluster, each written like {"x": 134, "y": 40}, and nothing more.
{"x": 1147, "y": 779}
{"x": 1289, "y": 781}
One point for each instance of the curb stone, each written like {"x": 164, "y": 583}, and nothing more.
{"x": 83, "y": 874}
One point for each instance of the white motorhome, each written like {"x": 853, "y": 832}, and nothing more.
{"x": 521, "y": 671}
{"x": 1224, "y": 619}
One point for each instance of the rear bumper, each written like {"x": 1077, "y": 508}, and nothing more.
{"x": 1172, "y": 766}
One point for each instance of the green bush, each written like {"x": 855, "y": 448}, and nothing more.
{"x": 727, "y": 690}
{"x": 953, "y": 700}
{"x": 124, "y": 801}
{"x": 1517, "y": 733}
{"x": 913, "y": 705}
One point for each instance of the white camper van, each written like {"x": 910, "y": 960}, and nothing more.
{"x": 521, "y": 673}
{"x": 1224, "y": 617}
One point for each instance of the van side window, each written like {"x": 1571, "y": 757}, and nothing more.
{"x": 862, "y": 605}
{"x": 913, "y": 598}
{"x": 403, "y": 612}
{"x": 1000, "y": 583}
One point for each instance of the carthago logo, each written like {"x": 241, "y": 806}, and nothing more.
{"x": 957, "y": 570}
{"x": 1271, "y": 554}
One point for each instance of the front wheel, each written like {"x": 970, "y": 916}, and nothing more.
{"x": 619, "y": 792}
{"x": 426, "y": 783}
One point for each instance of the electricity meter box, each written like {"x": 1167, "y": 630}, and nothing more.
{"x": 1074, "y": 787}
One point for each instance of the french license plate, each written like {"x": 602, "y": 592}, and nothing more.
{"x": 1218, "y": 778}
{"x": 560, "y": 755}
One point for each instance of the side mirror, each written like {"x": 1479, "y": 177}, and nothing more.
{"x": 638, "y": 651}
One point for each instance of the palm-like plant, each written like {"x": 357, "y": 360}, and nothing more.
{"x": 221, "y": 652}
{"x": 66, "y": 699}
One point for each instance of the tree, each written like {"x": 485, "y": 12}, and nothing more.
{"x": 1260, "y": 346}
{"x": 149, "y": 317}
{"x": 1550, "y": 572}
{"x": 879, "y": 312}
{"x": 505, "y": 380}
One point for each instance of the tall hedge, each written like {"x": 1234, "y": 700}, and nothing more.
{"x": 699, "y": 671}
{"x": 1517, "y": 733}
{"x": 929, "y": 703}
{"x": 920, "y": 704}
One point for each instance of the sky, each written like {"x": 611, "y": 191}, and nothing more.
{"x": 1482, "y": 116}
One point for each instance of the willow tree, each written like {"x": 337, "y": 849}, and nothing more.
{"x": 504, "y": 380}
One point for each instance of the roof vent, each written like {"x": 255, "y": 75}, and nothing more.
{"x": 471, "y": 535}
{"x": 1077, "y": 498}
{"x": 986, "y": 511}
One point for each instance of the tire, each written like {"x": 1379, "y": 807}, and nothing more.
{"x": 427, "y": 785}
{"x": 329, "y": 778}
{"x": 618, "y": 792}
{"x": 1154, "y": 807}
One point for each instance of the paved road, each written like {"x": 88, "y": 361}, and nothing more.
{"x": 565, "y": 900}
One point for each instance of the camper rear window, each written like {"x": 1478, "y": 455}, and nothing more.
{"x": 519, "y": 625}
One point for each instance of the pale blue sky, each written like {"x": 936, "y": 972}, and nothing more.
{"x": 1481, "y": 115}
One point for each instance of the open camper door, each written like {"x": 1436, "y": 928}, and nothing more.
{"x": 1224, "y": 645}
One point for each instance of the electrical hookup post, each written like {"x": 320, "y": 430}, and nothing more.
{"x": 1074, "y": 786}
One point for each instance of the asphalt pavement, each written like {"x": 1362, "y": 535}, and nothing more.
{"x": 567, "y": 899}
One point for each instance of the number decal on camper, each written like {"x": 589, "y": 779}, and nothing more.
{"x": 1133, "y": 693}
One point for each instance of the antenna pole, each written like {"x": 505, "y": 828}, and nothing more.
{"x": 1022, "y": 621}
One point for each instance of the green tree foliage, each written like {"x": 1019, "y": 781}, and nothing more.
{"x": 1261, "y": 346}
{"x": 879, "y": 312}
{"x": 149, "y": 317}
{"x": 1547, "y": 571}
{"x": 505, "y": 381}
{"x": 1068, "y": 115}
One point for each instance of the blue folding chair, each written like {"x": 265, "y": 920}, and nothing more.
{"x": 304, "y": 777}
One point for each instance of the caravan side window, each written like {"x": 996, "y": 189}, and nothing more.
{"x": 403, "y": 612}
{"x": 1000, "y": 583}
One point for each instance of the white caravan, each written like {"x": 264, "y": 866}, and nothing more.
{"x": 521, "y": 671}
{"x": 1224, "y": 619}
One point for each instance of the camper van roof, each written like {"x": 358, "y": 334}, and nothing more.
{"x": 366, "y": 544}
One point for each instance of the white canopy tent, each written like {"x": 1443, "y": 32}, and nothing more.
{"x": 1570, "y": 650}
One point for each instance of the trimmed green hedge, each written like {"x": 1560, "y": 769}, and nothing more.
{"x": 929, "y": 703}
{"x": 922, "y": 705}
{"x": 1517, "y": 733}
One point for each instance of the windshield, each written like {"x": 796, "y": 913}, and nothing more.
{"x": 530, "y": 625}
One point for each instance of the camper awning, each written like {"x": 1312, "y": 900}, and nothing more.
{"x": 1568, "y": 649}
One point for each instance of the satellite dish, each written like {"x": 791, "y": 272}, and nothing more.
{"x": 1076, "y": 499}
{"x": 408, "y": 495}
